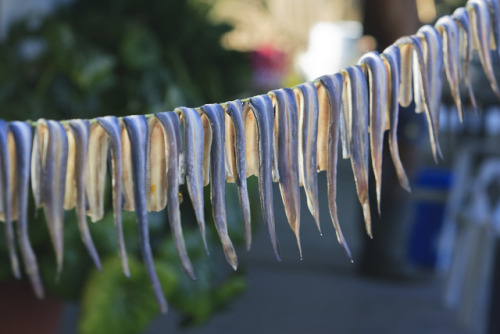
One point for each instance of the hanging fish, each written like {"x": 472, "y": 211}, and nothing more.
{"x": 356, "y": 87}
{"x": 481, "y": 26}
{"x": 215, "y": 115}
{"x": 416, "y": 47}
{"x": 207, "y": 145}
{"x": 433, "y": 59}
{"x": 262, "y": 109}
{"x": 95, "y": 180}
{"x": 448, "y": 29}
{"x": 22, "y": 135}
{"x": 406, "y": 68}
{"x": 392, "y": 62}
{"x": 157, "y": 166}
{"x": 495, "y": 16}
{"x": 111, "y": 125}
{"x": 137, "y": 129}
{"x": 128, "y": 203}
{"x": 461, "y": 16}
{"x": 333, "y": 87}
{"x": 234, "y": 110}
{"x": 193, "y": 159}
{"x": 251, "y": 141}
{"x": 374, "y": 67}
{"x": 80, "y": 130}
{"x": 53, "y": 145}
{"x": 229, "y": 155}
{"x": 7, "y": 189}
{"x": 307, "y": 100}
{"x": 169, "y": 122}
{"x": 287, "y": 128}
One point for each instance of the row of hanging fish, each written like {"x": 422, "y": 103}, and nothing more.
{"x": 285, "y": 136}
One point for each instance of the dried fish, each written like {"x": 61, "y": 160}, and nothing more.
{"x": 416, "y": 45}
{"x": 307, "y": 98}
{"x": 215, "y": 115}
{"x": 22, "y": 135}
{"x": 169, "y": 122}
{"x": 392, "y": 61}
{"x": 405, "y": 92}
{"x": 251, "y": 141}
{"x": 323, "y": 117}
{"x": 127, "y": 174}
{"x": 433, "y": 58}
{"x": 157, "y": 166}
{"x": 373, "y": 65}
{"x": 356, "y": 87}
{"x": 448, "y": 29}
{"x": 193, "y": 155}
{"x": 95, "y": 180}
{"x": 481, "y": 26}
{"x": 80, "y": 130}
{"x": 262, "y": 109}
{"x": 54, "y": 156}
{"x": 461, "y": 16}
{"x": 237, "y": 149}
{"x": 6, "y": 173}
{"x": 111, "y": 125}
{"x": 333, "y": 87}
{"x": 207, "y": 144}
{"x": 137, "y": 129}
{"x": 230, "y": 158}
{"x": 287, "y": 128}
{"x": 495, "y": 15}
{"x": 70, "y": 193}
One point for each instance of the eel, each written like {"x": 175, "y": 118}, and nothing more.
{"x": 137, "y": 129}
{"x": 333, "y": 87}
{"x": 80, "y": 130}
{"x": 193, "y": 159}
{"x": 287, "y": 133}
{"x": 448, "y": 29}
{"x": 356, "y": 87}
{"x": 262, "y": 110}
{"x": 434, "y": 58}
{"x": 234, "y": 110}
{"x": 95, "y": 180}
{"x": 215, "y": 115}
{"x": 392, "y": 61}
{"x": 461, "y": 16}
{"x": 169, "y": 122}
{"x": 22, "y": 135}
{"x": 374, "y": 67}
{"x": 416, "y": 46}
{"x": 53, "y": 146}
{"x": 7, "y": 170}
{"x": 111, "y": 125}
{"x": 481, "y": 25}
{"x": 307, "y": 100}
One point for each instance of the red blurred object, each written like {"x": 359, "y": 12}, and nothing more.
{"x": 269, "y": 65}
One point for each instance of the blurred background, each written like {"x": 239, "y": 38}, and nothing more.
{"x": 432, "y": 266}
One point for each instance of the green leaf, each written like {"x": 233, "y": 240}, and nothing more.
{"x": 113, "y": 303}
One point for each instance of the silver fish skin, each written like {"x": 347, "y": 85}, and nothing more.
{"x": 481, "y": 26}
{"x": 180, "y": 153}
{"x": 434, "y": 61}
{"x": 448, "y": 29}
{"x": 373, "y": 65}
{"x": 307, "y": 98}
{"x": 333, "y": 85}
{"x": 81, "y": 130}
{"x": 262, "y": 109}
{"x": 495, "y": 17}
{"x": 137, "y": 129}
{"x": 170, "y": 122}
{"x": 193, "y": 159}
{"x": 392, "y": 61}
{"x": 6, "y": 196}
{"x": 54, "y": 161}
{"x": 111, "y": 125}
{"x": 215, "y": 115}
{"x": 287, "y": 133}
{"x": 461, "y": 16}
{"x": 235, "y": 109}
{"x": 22, "y": 135}
{"x": 416, "y": 45}
{"x": 36, "y": 167}
{"x": 358, "y": 108}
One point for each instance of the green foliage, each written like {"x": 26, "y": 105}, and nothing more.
{"x": 120, "y": 57}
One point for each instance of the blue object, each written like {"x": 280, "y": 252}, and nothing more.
{"x": 431, "y": 190}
